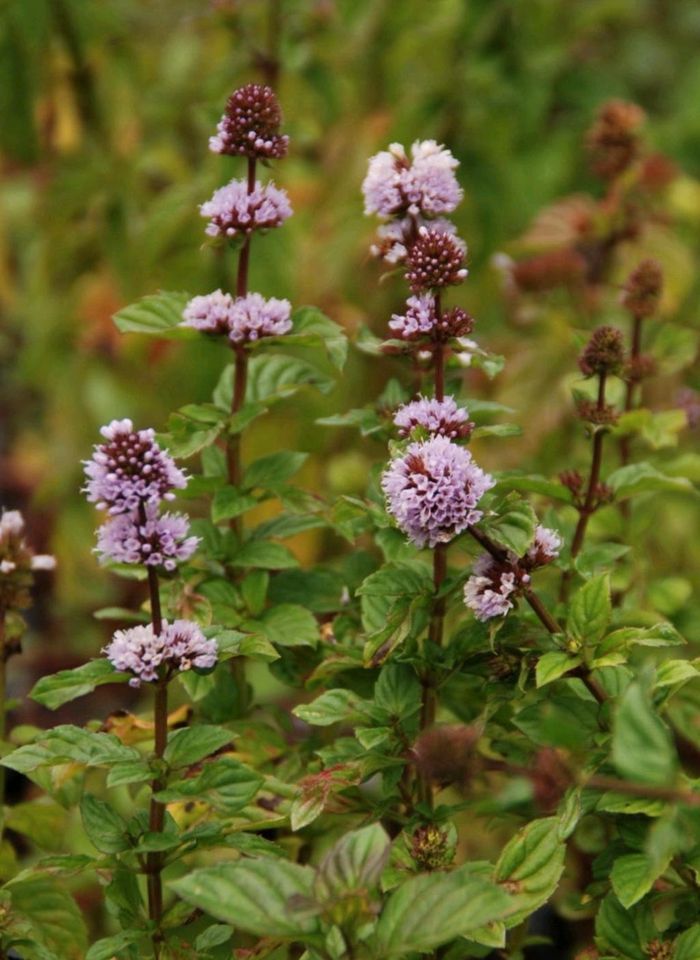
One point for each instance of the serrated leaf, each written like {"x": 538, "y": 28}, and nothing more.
{"x": 354, "y": 864}
{"x": 53, "y": 916}
{"x": 530, "y": 866}
{"x": 110, "y": 947}
{"x": 431, "y": 909}
{"x": 645, "y": 478}
{"x": 687, "y": 945}
{"x": 103, "y": 825}
{"x": 615, "y": 926}
{"x": 332, "y": 706}
{"x": 273, "y": 469}
{"x": 553, "y": 665}
{"x": 66, "y": 685}
{"x": 224, "y": 783}
{"x": 264, "y": 897}
{"x": 192, "y": 744}
{"x": 590, "y": 611}
{"x": 66, "y": 743}
{"x": 633, "y": 875}
{"x": 229, "y": 502}
{"x": 642, "y": 746}
{"x": 159, "y": 314}
{"x": 513, "y": 525}
{"x": 264, "y": 554}
{"x": 287, "y": 625}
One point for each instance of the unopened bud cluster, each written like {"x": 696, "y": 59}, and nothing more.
{"x": 18, "y": 563}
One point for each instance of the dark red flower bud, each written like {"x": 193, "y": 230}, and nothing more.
{"x": 613, "y": 140}
{"x": 642, "y": 291}
{"x": 250, "y": 125}
{"x": 604, "y": 353}
{"x": 436, "y": 259}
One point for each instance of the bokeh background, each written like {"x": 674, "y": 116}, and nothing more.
{"x": 106, "y": 111}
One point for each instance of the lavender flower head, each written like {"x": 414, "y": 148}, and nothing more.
{"x": 425, "y": 184}
{"x": 180, "y": 645}
{"x": 17, "y": 562}
{"x": 421, "y": 320}
{"x": 250, "y": 125}
{"x": 433, "y": 490}
{"x": 545, "y": 547}
{"x": 130, "y": 469}
{"x": 162, "y": 541}
{"x": 233, "y": 211}
{"x": 242, "y": 319}
{"x": 490, "y": 591}
{"x": 439, "y": 417}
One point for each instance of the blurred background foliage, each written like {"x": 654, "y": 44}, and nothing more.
{"x": 106, "y": 111}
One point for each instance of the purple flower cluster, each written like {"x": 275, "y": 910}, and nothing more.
{"x": 424, "y": 184}
{"x": 129, "y": 476}
{"x": 433, "y": 491}
{"x": 180, "y": 645}
{"x": 494, "y": 585}
{"x": 161, "y": 541}
{"x": 250, "y": 125}
{"x": 130, "y": 469}
{"x": 234, "y": 211}
{"x": 490, "y": 591}
{"x": 241, "y": 319}
{"x": 439, "y": 417}
{"x": 394, "y": 239}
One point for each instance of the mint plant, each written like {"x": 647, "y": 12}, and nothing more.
{"x": 476, "y": 719}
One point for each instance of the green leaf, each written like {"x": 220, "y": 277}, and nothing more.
{"x": 513, "y": 525}
{"x": 431, "y": 909}
{"x": 287, "y": 625}
{"x": 615, "y": 926}
{"x": 224, "y": 783}
{"x": 273, "y": 378}
{"x": 687, "y": 945}
{"x": 110, "y": 947}
{"x": 398, "y": 691}
{"x": 192, "y": 744}
{"x": 103, "y": 825}
{"x": 42, "y": 820}
{"x": 66, "y": 685}
{"x": 633, "y": 876}
{"x": 644, "y": 478}
{"x": 333, "y": 706}
{"x": 393, "y": 587}
{"x": 660, "y": 635}
{"x": 66, "y": 743}
{"x": 230, "y": 502}
{"x": 213, "y": 936}
{"x": 529, "y": 483}
{"x": 553, "y": 665}
{"x": 642, "y": 747}
{"x": 590, "y": 611}
{"x": 159, "y": 315}
{"x": 265, "y": 897}
{"x": 54, "y": 919}
{"x": 312, "y": 328}
{"x": 273, "y": 469}
{"x": 354, "y": 864}
{"x": 530, "y": 866}
{"x": 264, "y": 554}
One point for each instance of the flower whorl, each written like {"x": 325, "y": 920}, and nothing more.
{"x": 433, "y": 491}
{"x": 241, "y": 319}
{"x": 250, "y": 125}
{"x": 234, "y": 211}
{"x": 180, "y": 645}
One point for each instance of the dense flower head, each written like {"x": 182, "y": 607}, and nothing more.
{"x": 424, "y": 184}
{"x": 130, "y": 469}
{"x": 613, "y": 140}
{"x": 433, "y": 490}
{"x": 491, "y": 589}
{"x": 419, "y": 319}
{"x": 180, "y": 645}
{"x": 161, "y": 541}
{"x": 233, "y": 211}
{"x": 439, "y": 417}
{"x": 604, "y": 353}
{"x": 545, "y": 547}
{"x": 250, "y": 125}
{"x": 436, "y": 259}
{"x": 17, "y": 562}
{"x": 642, "y": 291}
{"x": 395, "y": 238}
{"x": 241, "y": 319}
